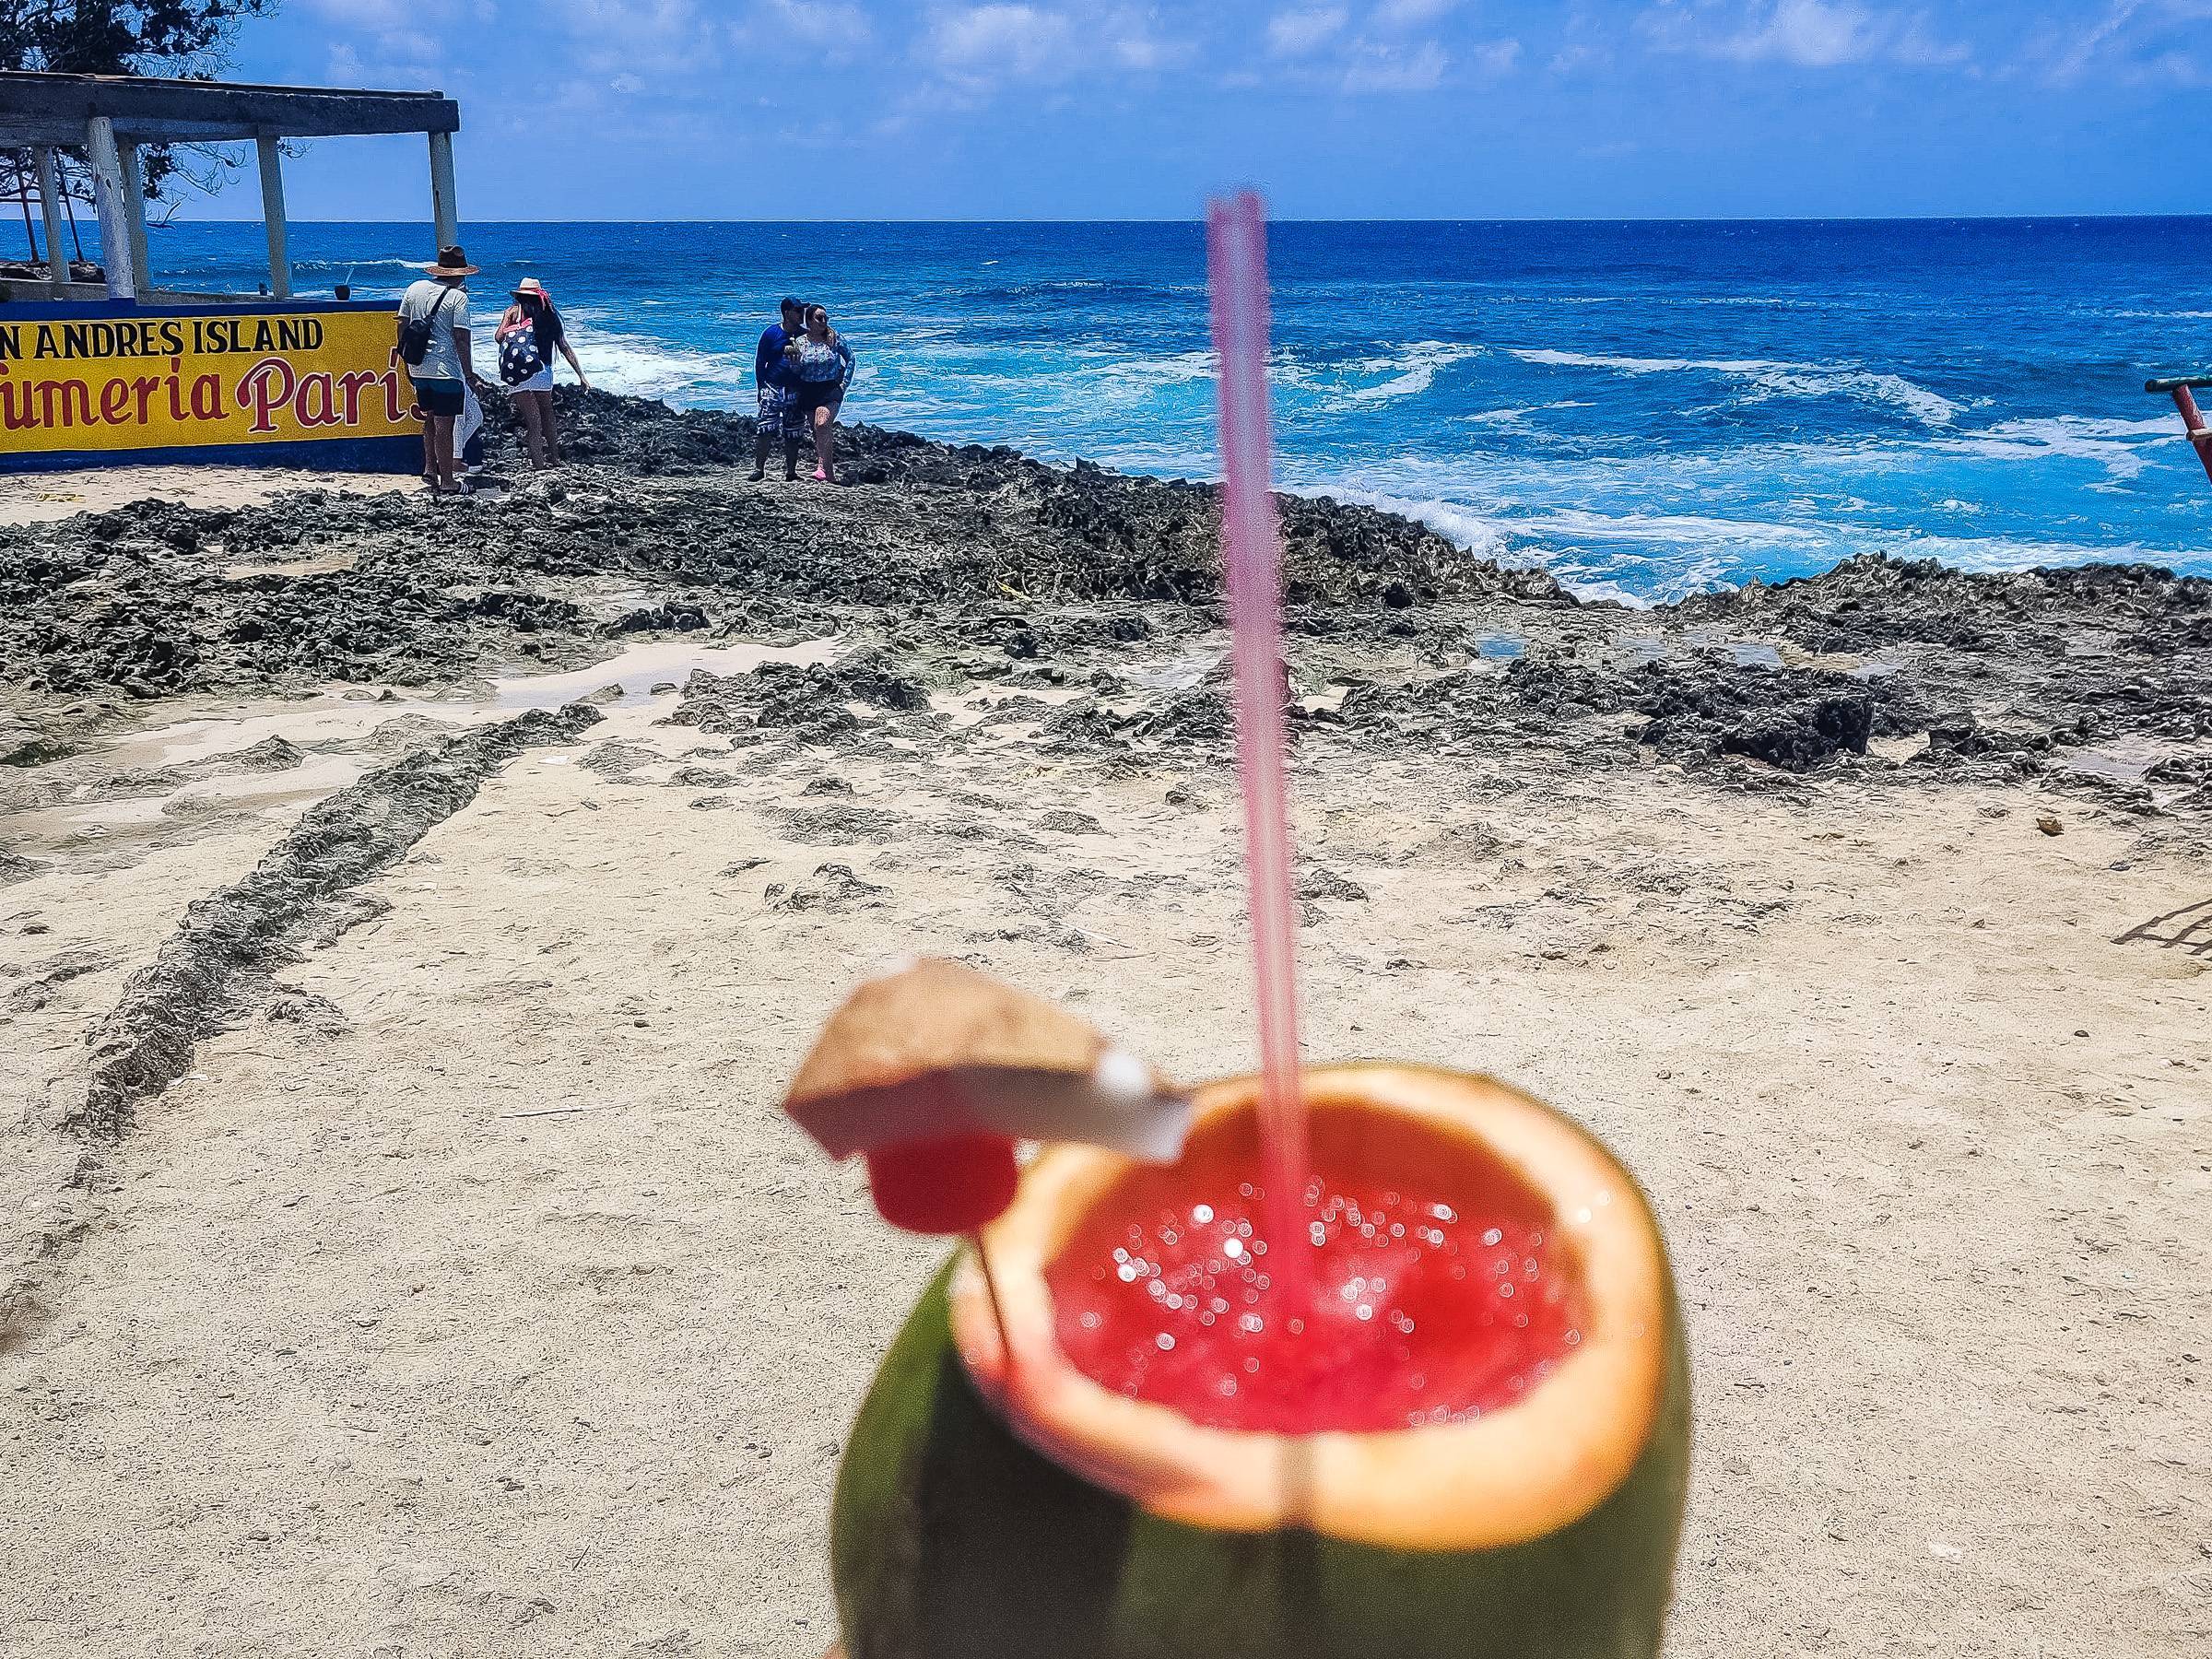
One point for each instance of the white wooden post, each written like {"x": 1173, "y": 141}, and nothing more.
{"x": 442, "y": 206}
{"x": 272, "y": 213}
{"x": 50, "y": 209}
{"x": 134, "y": 205}
{"x": 114, "y": 219}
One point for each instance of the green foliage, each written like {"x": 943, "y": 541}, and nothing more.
{"x": 187, "y": 39}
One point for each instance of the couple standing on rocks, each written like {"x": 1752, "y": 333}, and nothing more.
{"x": 800, "y": 373}
{"x": 433, "y": 341}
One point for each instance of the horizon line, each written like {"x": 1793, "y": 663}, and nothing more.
{"x": 1718, "y": 218}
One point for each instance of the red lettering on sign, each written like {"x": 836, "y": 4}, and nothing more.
{"x": 115, "y": 401}
{"x": 351, "y": 386}
{"x": 264, "y": 389}
{"x": 64, "y": 403}
{"x": 317, "y": 396}
{"x": 206, "y": 398}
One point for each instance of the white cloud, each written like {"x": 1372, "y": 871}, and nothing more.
{"x": 1492, "y": 60}
{"x": 393, "y": 48}
{"x": 1411, "y": 14}
{"x": 828, "y": 30}
{"x": 820, "y": 23}
{"x": 391, "y": 52}
{"x": 1809, "y": 34}
{"x": 970, "y": 50}
{"x": 982, "y": 44}
{"x": 1132, "y": 42}
{"x": 1295, "y": 33}
{"x": 650, "y": 20}
{"x": 627, "y": 83}
{"x": 1816, "y": 34}
{"x": 365, "y": 14}
{"x": 1916, "y": 46}
{"x": 2136, "y": 42}
{"x": 1380, "y": 69}
{"x": 616, "y": 37}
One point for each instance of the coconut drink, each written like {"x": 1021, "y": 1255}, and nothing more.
{"x": 1109, "y": 1428}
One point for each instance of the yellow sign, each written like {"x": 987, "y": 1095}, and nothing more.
{"x": 173, "y": 381}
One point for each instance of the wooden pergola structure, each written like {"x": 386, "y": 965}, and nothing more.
{"x": 112, "y": 117}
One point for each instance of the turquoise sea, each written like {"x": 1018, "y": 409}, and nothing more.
{"x": 1647, "y": 409}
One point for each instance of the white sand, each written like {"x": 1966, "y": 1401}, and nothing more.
{"x": 40, "y": 498}
{"x": 514, "y": 1320}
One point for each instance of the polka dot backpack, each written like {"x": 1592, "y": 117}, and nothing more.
{"x": 519, "y": 355}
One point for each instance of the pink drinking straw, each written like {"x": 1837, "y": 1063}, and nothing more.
{"x": 1252, "y": 547}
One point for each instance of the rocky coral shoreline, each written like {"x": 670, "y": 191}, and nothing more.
{"x": 978, "y": 568}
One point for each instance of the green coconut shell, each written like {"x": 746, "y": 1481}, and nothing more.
{"x": 952, "y": 1539}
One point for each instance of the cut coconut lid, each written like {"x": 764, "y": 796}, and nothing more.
{"x": 935, "y": 1050}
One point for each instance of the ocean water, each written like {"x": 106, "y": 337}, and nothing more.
{"x": 1646, "y": 408}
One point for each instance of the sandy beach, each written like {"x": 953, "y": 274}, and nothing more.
{"x": 410, "y": 914}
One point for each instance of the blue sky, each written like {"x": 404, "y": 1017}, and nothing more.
{"x": 1341, "y": 109}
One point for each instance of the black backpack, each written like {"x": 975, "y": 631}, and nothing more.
{"x": 414, "y": 332}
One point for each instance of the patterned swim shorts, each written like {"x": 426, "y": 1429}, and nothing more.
{"x": 779, "y": 412}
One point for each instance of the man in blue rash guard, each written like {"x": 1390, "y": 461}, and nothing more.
{"x": 776, "y": 392}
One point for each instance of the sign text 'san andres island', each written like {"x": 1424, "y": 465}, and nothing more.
{"x": 189, "y": 380}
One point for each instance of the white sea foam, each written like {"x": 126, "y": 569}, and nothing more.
{"x": 1129, "y": 380}
{"x": 639, "y": 365}
{"x": 1519, "y": 417}
{"x": 1454, "y": 521}
{"x": 1769, "y": 378}
{"x": 1674, "y": 529}
{"x": 2014, "y": 553}
{"x": 2114, "y": 444}
{"x": 1416, "y": 365}
{"x": 358, "y": 264}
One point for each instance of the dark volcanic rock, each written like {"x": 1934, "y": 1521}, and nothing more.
{"x": 834, "y": 888}
{"x": 658, "y": 618}
{"x": 1706, "y": 704}
{"x": 1322, "y": 883}
{"x": 1789, "y": 718}
{"x": 1062, "y": 571}
{"x": 812, "y": 702}
{"x": 970, "y": 539}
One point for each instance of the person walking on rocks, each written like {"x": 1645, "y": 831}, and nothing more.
{"x": 824, "y": 363}
{"x": 433, "y": 339}
{"x": 529, "y": 334}
{"x": 776, "y": 392}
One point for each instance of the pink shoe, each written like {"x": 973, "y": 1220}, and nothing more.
{"x": 820, "y": 477}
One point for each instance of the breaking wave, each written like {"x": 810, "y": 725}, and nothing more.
{"x": 1768, "y": 378}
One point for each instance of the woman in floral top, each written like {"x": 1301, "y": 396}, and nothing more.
{"x": 823, "y": 363}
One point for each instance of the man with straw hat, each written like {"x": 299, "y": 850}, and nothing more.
{"x": 433, "y": 344}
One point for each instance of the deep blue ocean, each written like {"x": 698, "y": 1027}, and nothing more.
{"x": 1647, "y": 409}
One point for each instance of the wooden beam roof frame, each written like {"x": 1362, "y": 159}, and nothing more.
{"x": 37, "y": 109}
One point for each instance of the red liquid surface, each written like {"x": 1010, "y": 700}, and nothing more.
{"x": 1439, "y": 1290}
